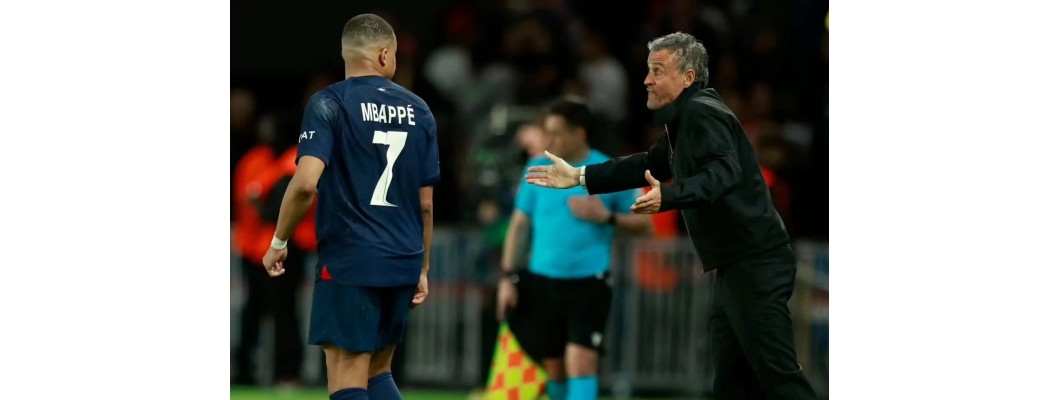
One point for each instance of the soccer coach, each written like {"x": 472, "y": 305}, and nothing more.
{"x": 718, "y": 186}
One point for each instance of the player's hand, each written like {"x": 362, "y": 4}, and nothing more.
{"x": 650, "y": 202}
{"x": 507, "y": 297}
{"x": 421, "y": 291}
{"x": 273, "y": 261}
{"x": 559, "y": 175}
{"x": 589, "y": 208}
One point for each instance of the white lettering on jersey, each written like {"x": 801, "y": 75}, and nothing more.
{"x": 306, "y": 135}
{"x": 366, "y": 110}
{"x": 387, "y": 114}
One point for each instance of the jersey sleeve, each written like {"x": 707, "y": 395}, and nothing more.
{"x": 319, "y": 124}
{"x": 432, "y": 172}
{"x": 524, "y": 198}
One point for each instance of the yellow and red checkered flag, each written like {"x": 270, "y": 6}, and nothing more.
{"x": 513, "y": 374}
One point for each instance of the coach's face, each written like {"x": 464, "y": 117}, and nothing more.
{"x": 665, "y": 80}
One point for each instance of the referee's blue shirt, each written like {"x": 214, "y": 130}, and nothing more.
{"x": 564, "y": 246}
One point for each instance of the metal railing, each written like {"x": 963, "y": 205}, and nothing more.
{"x": 658, "y": 335}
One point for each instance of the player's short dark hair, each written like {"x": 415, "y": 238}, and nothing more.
{"x": 576, "y": 113}
{"x": 366, "y": 29}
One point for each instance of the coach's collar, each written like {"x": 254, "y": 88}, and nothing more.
{"x": 668, "y": 113}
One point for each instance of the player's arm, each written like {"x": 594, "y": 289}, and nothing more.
{"x": 314, "y": 151}
{"x": 299, "y": 195}
{"x": 427, "y": 213}
{"x": 718, "y": 175}
{"x": 628, "y": 172}
{"x": 431, "y": 175}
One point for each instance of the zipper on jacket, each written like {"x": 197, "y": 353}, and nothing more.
{"x": 669, "y": 144}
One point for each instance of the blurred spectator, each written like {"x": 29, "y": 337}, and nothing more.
{"x": 774, "y": 156}
{"x": 604, "y": 77}
{"x": 259, "y": 184}
{"x": 760, "y": 109}
{"x": 254, "y": 176}
{"x": 241, "y": 123}
{"x": 241, "y": 132}
{"x": 450, "y": 68}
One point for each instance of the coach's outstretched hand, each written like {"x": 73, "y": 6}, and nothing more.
{"x": 421, "y": 292}
{"x": 273, "y": 261}
{"x": 560, "y": 175}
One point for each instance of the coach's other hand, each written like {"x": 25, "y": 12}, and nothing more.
{"x": 421, "y": 292}
{"x": 650, "y": 202}
{"x": 273, "y": 261}
{"x": 560, "y": 175}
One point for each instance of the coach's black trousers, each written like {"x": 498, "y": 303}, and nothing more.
{"x": 751, "y": 331}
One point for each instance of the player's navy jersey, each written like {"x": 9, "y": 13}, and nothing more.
{"x": 379, "y": 144}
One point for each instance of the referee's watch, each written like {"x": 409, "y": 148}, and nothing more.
{"x": 581, "y": 176}
{"x": 512, "y": 277}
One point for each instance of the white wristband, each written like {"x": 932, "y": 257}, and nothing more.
{"x": 581, "y": 178}
{"x": 278, "y": 244}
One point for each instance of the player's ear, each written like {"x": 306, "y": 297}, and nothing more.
{"x": 382, "y": 56}
{"x": 689, "y": 77}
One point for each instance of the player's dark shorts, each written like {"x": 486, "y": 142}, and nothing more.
{"x": 358, "y": 319}
{"x": 553, "y": 312}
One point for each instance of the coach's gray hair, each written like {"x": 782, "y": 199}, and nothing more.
{"x": 689, "y": 52}
{"x": 366, "y": 29}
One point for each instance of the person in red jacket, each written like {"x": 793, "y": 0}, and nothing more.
{"x": 259, "y": 175}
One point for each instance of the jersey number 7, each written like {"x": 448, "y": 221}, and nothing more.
{"x": 395, "y": 140}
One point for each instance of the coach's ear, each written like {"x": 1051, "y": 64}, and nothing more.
{"x": 689, "y": 77}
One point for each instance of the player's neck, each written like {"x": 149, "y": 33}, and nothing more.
{"x": 358, "y": 74}
{"x": 359, "y": 71}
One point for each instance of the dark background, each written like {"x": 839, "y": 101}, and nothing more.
{"x": 768, "y": 59}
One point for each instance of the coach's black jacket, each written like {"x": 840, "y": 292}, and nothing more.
{"x": 717, "y": 183}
